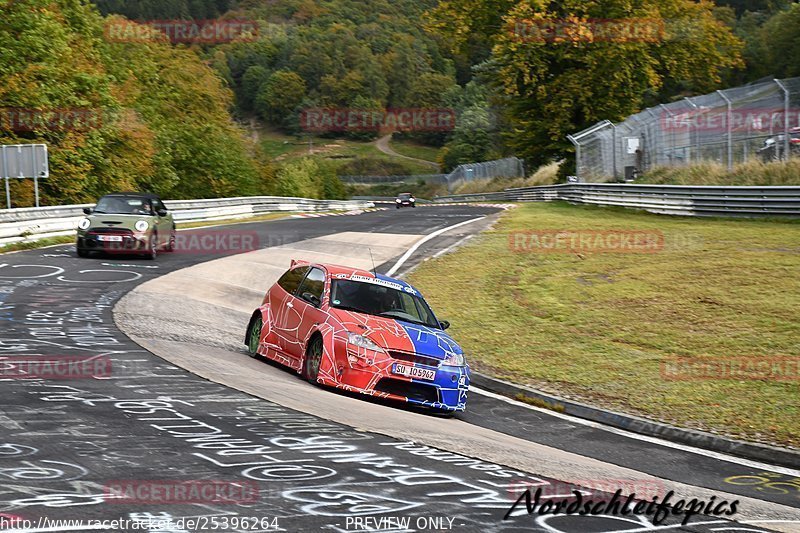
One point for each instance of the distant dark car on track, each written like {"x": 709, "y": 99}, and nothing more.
{"x": 360, "y": 332}
{"x": 405, "y": 199}
{"x": 135, "y": 223}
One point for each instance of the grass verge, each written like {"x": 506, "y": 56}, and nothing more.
{"x": 598, "y": 327}
{"x": 32, "y": 245}
{"x": 750, "y": 173}
{"x": 544, "y": 175}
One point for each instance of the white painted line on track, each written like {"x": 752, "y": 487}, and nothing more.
{"x": 644, "y": 438}
{"x": 451, "y": 247}
{"x": 425, "y": 239}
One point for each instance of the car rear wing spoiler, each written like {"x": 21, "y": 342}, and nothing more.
{"x": 298, "y": 262}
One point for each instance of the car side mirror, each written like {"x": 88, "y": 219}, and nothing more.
{"x": 311, "y": 298}
{"x": 162, "y": 212}
{"x": 87, "y": 210}
{"x": 444, "y": 324}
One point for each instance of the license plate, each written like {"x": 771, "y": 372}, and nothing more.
{"x": 109, "y": 238}
{"x": 414, "y": 372}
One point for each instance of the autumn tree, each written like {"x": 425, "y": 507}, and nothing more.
{"x": 562, "y": 67}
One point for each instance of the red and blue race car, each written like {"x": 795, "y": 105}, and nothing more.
{"x": 361, "y": 332}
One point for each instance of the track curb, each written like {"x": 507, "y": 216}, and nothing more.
{"x": 708, "y": 441}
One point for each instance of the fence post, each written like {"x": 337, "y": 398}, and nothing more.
{"x": 672, "y": 134}
{"x": 577, "y": 155}
{"x": 614, "y": 150}
{"x": 658, "y": 141}
{"x": 729, "y": 119}
{"x": 5, "y": 175}
{"x": 696, "y": 133}
{"x": 786, "y": 145}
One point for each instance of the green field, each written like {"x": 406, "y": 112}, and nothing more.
{"x": 416, "y": 150}
{"x": 598, "y": 327}
{"x": 283, "y": 149}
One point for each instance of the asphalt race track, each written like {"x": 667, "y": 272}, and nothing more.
{"x": 319, "y": 460}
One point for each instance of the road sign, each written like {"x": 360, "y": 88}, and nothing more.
{"x": 19, "y": 161}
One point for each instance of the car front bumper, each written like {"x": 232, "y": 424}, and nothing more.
{"x": 447, "y": 392}
{"x": 128, "y": 243}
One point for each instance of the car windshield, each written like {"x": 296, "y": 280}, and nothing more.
{"x": 405, "y": 196}
{"x": 379, "y": 300}
{"x": 124, "y": 205}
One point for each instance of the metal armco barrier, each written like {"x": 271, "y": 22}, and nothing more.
{"x": 691, "y": 200}
{"x": 33, "y": 223}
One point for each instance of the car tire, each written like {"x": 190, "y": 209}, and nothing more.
{"x": 171, "y": 244}
{"x": 398, "y": 207}
{"x": 254, "y": 336}
{"x": 152, "y": 247}
{"x": 313, "y": 359}
{"x": 81, "y": 252}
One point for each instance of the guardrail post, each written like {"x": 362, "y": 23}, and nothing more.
{"x": 786, "y": 145}
{"x": 729, "y": 119}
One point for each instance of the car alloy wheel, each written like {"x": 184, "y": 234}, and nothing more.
{"x": 152, "y": 252}
{"x": 313, "y": 360}
{"x": 254, "y": 337}
{"x": 171, "y": 245}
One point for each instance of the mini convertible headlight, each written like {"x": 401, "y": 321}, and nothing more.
{"x": 362, "y": 342}
{"x": 84, "y": 223}
{"x": 142, "y": 225}
{"x": 457, "y": 359}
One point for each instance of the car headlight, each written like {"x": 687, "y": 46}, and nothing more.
{"x": 412, "y": 200}
{"x": 398, "y": 200}
{"x": 362, "y": 342}
{"x": 84, "y": 223}
{"x": 457, "y": 359}
{"x": 142, "y": 225}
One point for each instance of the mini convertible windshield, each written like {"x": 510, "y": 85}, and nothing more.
{"x": 378, "y": 300}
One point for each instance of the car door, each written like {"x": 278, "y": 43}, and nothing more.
{"x": 306, "y": 314}
{"x": 281, "y": 300}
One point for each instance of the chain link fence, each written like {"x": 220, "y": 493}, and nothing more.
{"x": 510, "y": 167}
{"x": 759, "y": 121}
{"x": 378, "y": 180}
